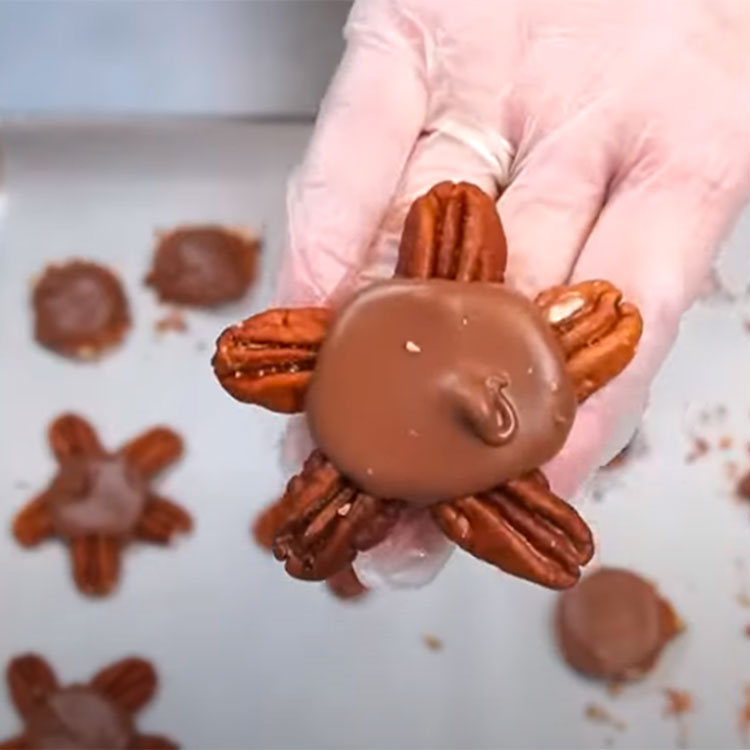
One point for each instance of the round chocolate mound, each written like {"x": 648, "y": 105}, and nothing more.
{"x": 430, "y": 390}
{"x": 203, "y": 266}
{"x": 613, "y": 625}
{"x": 102, "y": 495}
{"x": 80, "y": 309}
{"x": 78, "y": 717}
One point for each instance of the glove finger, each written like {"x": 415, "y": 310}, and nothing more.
{"x": 412, "y": 554}
{"x": 369, "y": 121}
{"x": 551, "y": 205}
{"x": 438, "y": 156}
{"x": 655, "y": 242}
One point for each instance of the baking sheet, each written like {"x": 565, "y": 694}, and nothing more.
{"x": 250, "y": 658}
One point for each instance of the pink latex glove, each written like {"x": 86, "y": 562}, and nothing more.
{"x": 619, "y": 132}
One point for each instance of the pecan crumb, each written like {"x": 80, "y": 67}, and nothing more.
{"x": 744, "y": 715}
{"x": 699, "y": 449}
{"x": 725, "y": 443}
{"x": 615, "y": 688}
{"x": 679, "y": 703}
{"x": 599, "y": 714}
{"x": 432, "y": 642}
{"x": 173, "y": 320}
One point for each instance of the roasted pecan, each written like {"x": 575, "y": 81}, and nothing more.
{"x": 30, "y": 680}
{"x": 153, "y": 451}
{"x": 268, "y": 358}
{"x": 346, "y": 585}
{"x": 453, "y": 232}
{"x": 96, "y": 564}
{"x": 130, "y": 683}
{"x": 523, "y": 528}
{"x": 330, "y": 521}
{"x": 597, "y": 330}
{"x": 266, "y": 525}
{"x": 268, "y": 522}
{"x": 33, "y": 524}
{"x": 162, "y": 520}
{"x": 71, "y": 436}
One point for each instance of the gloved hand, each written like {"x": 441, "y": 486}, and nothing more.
{"x": 618, "y": 133}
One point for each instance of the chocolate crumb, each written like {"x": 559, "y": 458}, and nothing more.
{"x": 679, "y": 703}
{"x": 432, "y": 642}
{"x": 599, "y": 714}
{"x": 615, "y": 688}
{"x": 174, "y": 320}
{"x": 744, "y": 716}
{"x": 743, "y": 487}
{"x": 742, "y": 597}
{"x": 699, "y": 449}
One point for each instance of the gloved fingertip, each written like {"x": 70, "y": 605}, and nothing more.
{"x": 603, "y": 427}
{"x": 410, "y": 557}
{"x": 296, "y": 444}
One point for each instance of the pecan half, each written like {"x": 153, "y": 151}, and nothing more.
{"x": 152, "y": 451}
{"x": 268, "y": 522}
{"x": 268, "y": 358}
{"x": 30, "y": 680}
{"x": 453, "y": 232}
{"x": 130, "y": 683}
{"x": 266, "y": 525}
{"x": 522, "y": 528}
{"x": 96, "y": 564}
{"x": 597, "y": 330}
{"x": 346, "y": 585}
{"x": 330, "y": 520}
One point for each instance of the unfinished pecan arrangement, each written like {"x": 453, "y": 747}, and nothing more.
{"x": 522, "y": 527}
{"x": 98, "y": 714}
{"x": 99, "y": 501}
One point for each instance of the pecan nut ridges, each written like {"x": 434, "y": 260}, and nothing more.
{"x": 330, "y": 520}
{"x": 522, "y": 528}
{"x": 597, "y": 330}
{"x": 268, "y": 359}
{"x": 453, "y": 232}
